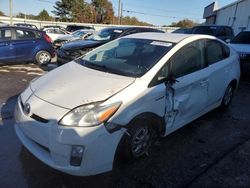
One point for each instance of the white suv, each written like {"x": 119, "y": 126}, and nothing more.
{"x": 112, "y": 102}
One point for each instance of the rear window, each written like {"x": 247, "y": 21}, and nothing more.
{"x": 5, "y": 34}
{"x": 204, "y": 30}
{"x": 242, "y": 38}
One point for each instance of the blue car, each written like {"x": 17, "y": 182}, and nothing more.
{"x": 22, "y": 44}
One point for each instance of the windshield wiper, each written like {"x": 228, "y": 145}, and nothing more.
{"x": 102, "y": 68}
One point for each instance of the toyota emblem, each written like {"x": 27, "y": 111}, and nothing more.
{"x": 27, "y": 108}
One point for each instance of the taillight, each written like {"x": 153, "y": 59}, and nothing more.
{"x": 47, "y": 38}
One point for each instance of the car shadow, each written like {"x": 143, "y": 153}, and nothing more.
{"x": 7, "y": 108}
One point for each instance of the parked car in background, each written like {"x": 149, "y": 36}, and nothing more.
{"x": 72, "y": 28}
{"x": 55, "y": 33}
{"x": 54, "y": 26}
{"x": 3, "y": 24}
{"x": 220, "y": 31}
{"x": 21, "y": 44}
{"x": 57, "y": 27}
{"x": 79, "y": 34}
{"x": 182, "y": 31}
{"x": 26, "y": 25}
{"x": 75, "y": 49}
{"x": 112, "y": 103}
{"x": 241, "y": 43}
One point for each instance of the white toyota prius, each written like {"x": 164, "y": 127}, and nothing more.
{"x": 113, "y": 102}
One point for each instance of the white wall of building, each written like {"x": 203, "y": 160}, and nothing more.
{"x": 236, "y": 15}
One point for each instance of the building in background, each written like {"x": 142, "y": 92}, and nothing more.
{"x": 236, "y": 15}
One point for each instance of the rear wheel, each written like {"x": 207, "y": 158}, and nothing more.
{"x": 228, "y": 97}
{"x": 43, "y": 57}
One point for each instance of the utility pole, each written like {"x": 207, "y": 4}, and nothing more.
{"x": 119, "y": 12}
{"x": 11, "y": 16}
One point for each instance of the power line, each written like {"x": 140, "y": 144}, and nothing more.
{"x": 158, "y": 15}
{"x": 45, "y": 1}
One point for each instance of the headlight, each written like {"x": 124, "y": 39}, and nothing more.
{"x": 89, "y": 115}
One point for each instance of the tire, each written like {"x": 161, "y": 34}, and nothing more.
{"x": 228, "y": 97}
{"x": 137, "y": 142}
{"x": 43, "y": 58}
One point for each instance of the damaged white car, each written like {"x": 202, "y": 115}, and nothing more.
{"x": 111, "y": 103}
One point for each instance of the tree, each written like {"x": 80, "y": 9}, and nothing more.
{"x": 43, "y": 15}
{"x": 104, "y": 11}
{"x": 27, "y": 16}
{"x": 186, "y": 23}
{"x": 68, "y": 10}
{"x": 134, "y": 21}
{"x": 1, "y": 13}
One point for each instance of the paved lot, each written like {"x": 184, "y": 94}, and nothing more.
{"x": 213, "y": 151}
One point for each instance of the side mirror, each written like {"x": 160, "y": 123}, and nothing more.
{"x": 228, "y": 40}
{"x": 170, "y": 80}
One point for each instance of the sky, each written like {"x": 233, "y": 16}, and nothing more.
{"x": 157, "y": 12}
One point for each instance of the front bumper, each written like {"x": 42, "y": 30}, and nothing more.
{"x": 62, "y": 57}
{"x": 52, "y": 144}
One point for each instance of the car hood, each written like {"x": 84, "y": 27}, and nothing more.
{"x": 72, "y": 85}
{"x": 67, "y": 37}
{"x": 80, "y": 44}
{"x": 241, "y": 48}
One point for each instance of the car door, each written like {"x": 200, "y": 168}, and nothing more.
{"x": 217, "y": 55}
{"x": 25, "y": 42}
{"x": 7, "y": 50}
{"x": 190, "y": 91}
{"x": 187, "y": 85}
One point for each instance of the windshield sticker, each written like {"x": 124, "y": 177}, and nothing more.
{"x": 158, "y": 43}
{"x": 118, "y": 31}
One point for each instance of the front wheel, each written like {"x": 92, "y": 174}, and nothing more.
{"x": 137, "y": 141}
{"x": 43, "y": 58}
{"x": 228, "y": 97}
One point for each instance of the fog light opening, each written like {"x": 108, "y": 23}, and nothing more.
{"x": 76, "y": 155}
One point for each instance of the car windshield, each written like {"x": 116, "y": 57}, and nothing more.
{"x": 105, "y": 35}
{"x": 242, "y": 38}
{"x": 78, "y": 33}
{"x": 204, "y": 30}
{"x": 127, "y": 57}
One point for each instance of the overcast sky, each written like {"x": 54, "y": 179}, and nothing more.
{"x": 157, "y": 12}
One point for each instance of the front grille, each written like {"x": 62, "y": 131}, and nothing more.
{"x": 38, "y": 118}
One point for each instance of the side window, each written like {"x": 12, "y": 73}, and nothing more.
{"x": 221, "y": 32}
{"x": 58, "y": 31}
{"x": 188, "y": 59}
{"x": 215, "y": 51}
{"x": 50, "y": 31}
{"x": 24, "y": 34}
{"x": 5, "y": 34}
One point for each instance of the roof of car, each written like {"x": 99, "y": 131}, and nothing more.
{"x": 211, "y": 25}
{"x": 128, "y": 28}
{"x": 168, "y": 37}
{"x": 20, "y": 27}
